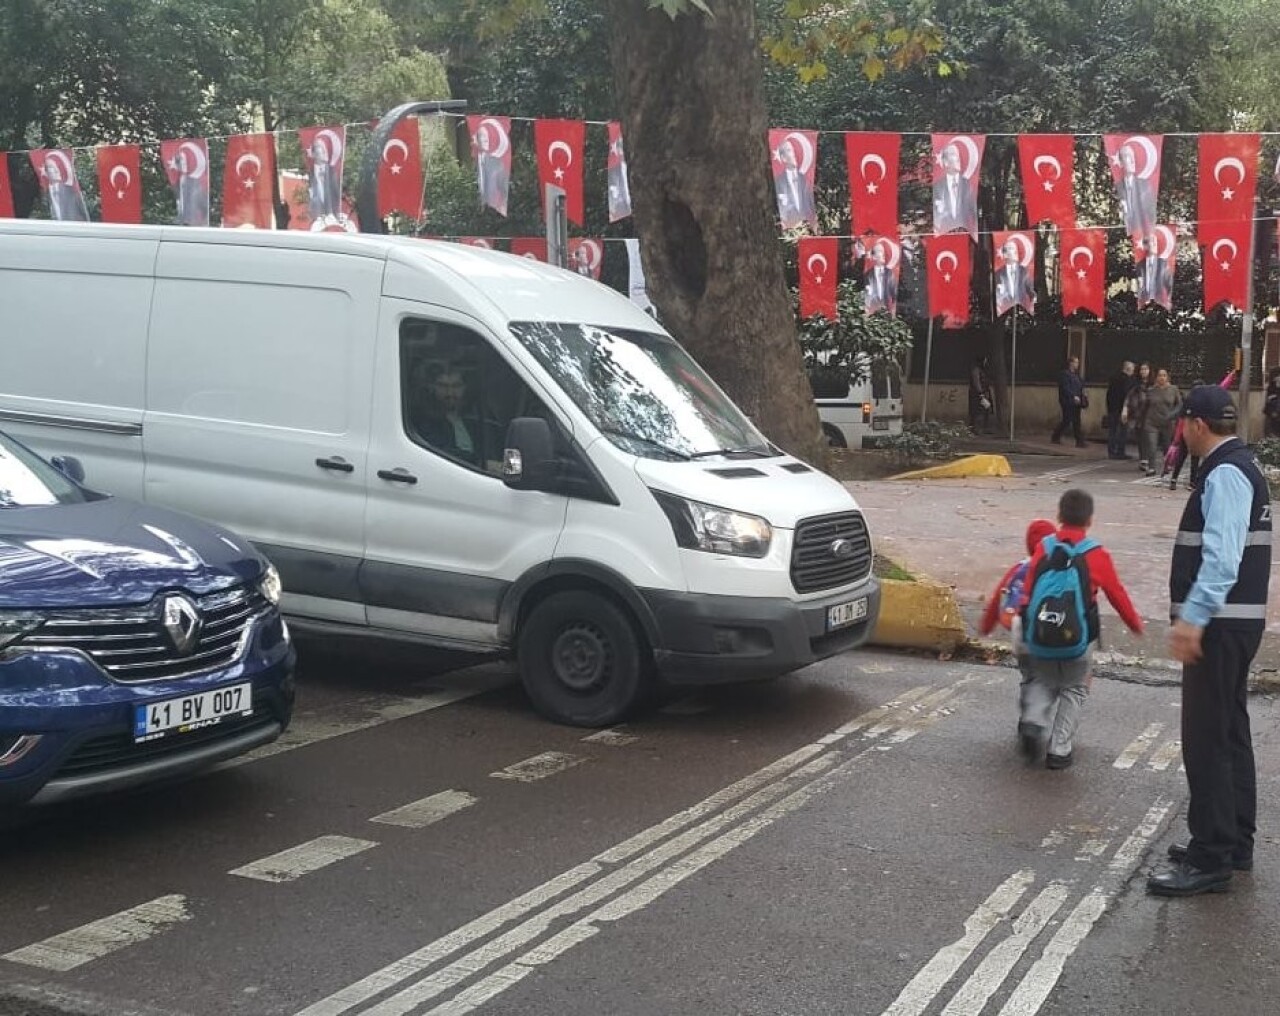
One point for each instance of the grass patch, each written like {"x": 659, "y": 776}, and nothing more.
{"x": 885, "y": 568}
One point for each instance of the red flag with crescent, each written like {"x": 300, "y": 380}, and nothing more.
{"x": 1015, "y": 270}
{"x": 400, "y": 171}
{"x": 873, "y": 182}
{"x": 246, "y": 181}
{"x": 1083, "y": 259}
{"x": 120, "y": 182}
{"x": 1226, "y": 250}
{"x": 957, "y": 164}
{"x": 1228, "y": 179}
{"x": 949, "y": 267}
{"x": 559, "y": 146}
{"x": 491, "y": 150}
{"x": 1048, "y": 161}
{"x": 794, "y": 157}
{"x": 532, "y": 247}
{"x": 6, "y": 191}
{"x": 819, "y": 267}
{"x": 186, "y": 164}
{"x": 56, "y": 169}
{"x": 586, "y": 255}
{"x": 1156, "y": 258}
{"x": 324, "y": 152}
{"x": 881, "y": 270}
{"x": 1135, "y": 170}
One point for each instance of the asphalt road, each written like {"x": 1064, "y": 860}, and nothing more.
{"x": 858, "y": 838}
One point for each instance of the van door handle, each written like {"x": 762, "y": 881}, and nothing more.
{"x": 337, "y": 463}
{"x": 400, "y": 475}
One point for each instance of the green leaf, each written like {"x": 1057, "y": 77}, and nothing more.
{"x": 873, "y": 68}
{"x": 944, "y": 69}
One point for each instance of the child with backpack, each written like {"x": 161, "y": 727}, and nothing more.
{"x": 1006, "y": 599}
{"x": 1059, "y": 626}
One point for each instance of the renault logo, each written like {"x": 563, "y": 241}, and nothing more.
{"x": 841, "y": 549}
{"x": 182, "y": 622}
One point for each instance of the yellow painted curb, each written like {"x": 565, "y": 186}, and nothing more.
{"x": 970, "y": 465}
{"x": 918, "y": 615}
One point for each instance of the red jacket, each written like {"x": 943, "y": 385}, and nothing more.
{"x": 991, "y": 616}
{"x": 1102, "y": 577}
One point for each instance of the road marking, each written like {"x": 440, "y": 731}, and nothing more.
{"x": 539, "y": 767}
{"x": 614, "y": 737}
{"x": 653, "y": 857}
{"x": 1069, "y": 471}
{"x": 74, "y": 948}
{"x": 922, "y": 989}
{"x": 1165, "y": 754}
{"x": 1138, "y": 746}
{"x": 303, "y": 859}
{"x": 429, "y": 810}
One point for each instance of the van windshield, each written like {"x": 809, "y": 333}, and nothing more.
{"x": 642, "y": 391}
{"x": 27, "y": 481}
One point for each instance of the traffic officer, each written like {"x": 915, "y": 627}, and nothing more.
{"x": 1218, "y": 586}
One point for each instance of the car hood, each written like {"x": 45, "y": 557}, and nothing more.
{"x": 114, "y": 552}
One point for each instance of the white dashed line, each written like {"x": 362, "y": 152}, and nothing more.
{"x": 615, "y": 737}
{"x": 303, "y": 859}
{"x": 1138, "y": 746}
{"x": 539, "y": 767}
{"x": 429, "y": 810}
{"x": 74, "y": 948}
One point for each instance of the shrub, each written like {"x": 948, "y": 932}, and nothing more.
{"x": 922, "y": 443}
{"x": 1268, "y": 451}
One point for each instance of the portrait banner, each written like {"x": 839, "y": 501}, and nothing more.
{"x": 1135, "y": 168}
{"x": 881, "y": 268}
{"x": 186, "y": 164}
{"x": 957, "y": 163}
{"x": 1015, "y": 269}
{"x": 56, "y": 170}
{"x": 1156, "y": 257}
{"x": 793, "y": 156}
{"x": 324, "y": 154}
{"x": 491, "y": 150}
{"x": 616, "y": 171}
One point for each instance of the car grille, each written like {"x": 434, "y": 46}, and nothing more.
{"x": 114, "y": 751}
{"x": 813, "y": 564}
{"x": 132, "y": 645}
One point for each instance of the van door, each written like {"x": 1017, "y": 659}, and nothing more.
{"x": 445, "y": 537}
{"x": 259, "y": 379}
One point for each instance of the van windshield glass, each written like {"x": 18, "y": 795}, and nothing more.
{"x": 29, "y": 482}
{"x": 642, "y": 391}
{"x": 881, "y": 380}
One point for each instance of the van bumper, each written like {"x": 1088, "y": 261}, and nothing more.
{"x": 707, "y": 639}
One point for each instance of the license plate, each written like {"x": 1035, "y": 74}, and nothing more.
{"x": 191, "y": 712}
{"x": 879, "y": 424}
{"x": 843, "y": 614}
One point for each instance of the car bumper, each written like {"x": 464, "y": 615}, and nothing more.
{"x": 706, "y": 639}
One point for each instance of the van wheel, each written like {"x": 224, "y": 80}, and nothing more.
{"x": 834, "y": 436}
{"x": 581, "y": 660}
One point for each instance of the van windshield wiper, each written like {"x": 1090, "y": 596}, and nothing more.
{"x": 675, "y": 453}
{"x": 759, "y": 451}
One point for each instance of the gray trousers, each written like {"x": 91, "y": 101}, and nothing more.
{"x": 1052, "y": 695}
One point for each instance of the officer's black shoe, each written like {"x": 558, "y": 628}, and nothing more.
{"x": 1178, "y": 853}
{"x": 1185, "y": 880}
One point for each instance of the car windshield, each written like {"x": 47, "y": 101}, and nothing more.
{"x": 27, "y": 481}
{"x": 642, "y": 391}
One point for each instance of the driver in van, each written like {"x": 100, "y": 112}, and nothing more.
{"x": 441, "y": 417}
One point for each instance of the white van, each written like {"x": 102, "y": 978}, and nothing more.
{"x": 437, "y": 443}
{"x": 859, "y": 412}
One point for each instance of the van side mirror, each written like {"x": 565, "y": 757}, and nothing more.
{"x": 69, "y": 466}
{"x": 527, "y": 460}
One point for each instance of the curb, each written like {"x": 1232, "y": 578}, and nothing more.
{"x": 969, "y": 466}
{"x": 918, "y": 615}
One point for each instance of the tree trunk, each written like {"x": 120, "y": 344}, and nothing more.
{"x": 690, "y": 94}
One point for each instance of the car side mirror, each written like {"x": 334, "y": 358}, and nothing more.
{"x": 527, "y": 459}
{"x": 69, "y": 466}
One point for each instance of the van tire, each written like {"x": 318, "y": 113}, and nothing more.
{"x": 581, "y": 660}
{"x": 834, "y": 435}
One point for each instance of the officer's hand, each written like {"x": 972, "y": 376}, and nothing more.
{"x": 1184, "y": 642}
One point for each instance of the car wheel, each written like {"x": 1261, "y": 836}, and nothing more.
{"x": 581, "y": 660}
{"x": 834, "y": 436}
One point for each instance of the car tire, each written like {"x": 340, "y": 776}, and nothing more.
{"x": 581, "y": 660}
{"x": 834, "y": 435}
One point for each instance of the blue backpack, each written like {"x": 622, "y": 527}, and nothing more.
{"x": 1061, "y": 618}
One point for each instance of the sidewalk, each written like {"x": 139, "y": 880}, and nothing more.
{"x": 967, "y": 533}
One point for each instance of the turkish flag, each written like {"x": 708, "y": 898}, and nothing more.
{"x": 949, "y": 267}
{"x": 1226, "y": 249}
{"x": 559, "y": 146}
{"x": 957, "y": 163}
{"x": 1228, "y": 179}
{"x": 324, "y": 152}
{"x": 491, "y": 150}
{"x": 293, "y": 191}
{"x": 586, "y": 255}
{"x": 1015, "y": 270}
{"x": 1048, "y": 161}
{"x": 881, "y": 271}
{"x": 1135, "y": 169}
{"x": 6, "y": 192}
{"x": 616, "y": 169}
{"x": 56, "y": 169}
{"x": 873, "y": 182}
{"x": 1156, "y": 258}
{"x": 186, "y": 163}
{"x": 246, "y": 181}
{"x": 532, "y": 247}
{"x": 120, "y": 182}
{"x": 819, "y": 263}
{"x": 794, "y": 157}
{"x": 1083, "y": 259}
{"x": 400, "y": 171}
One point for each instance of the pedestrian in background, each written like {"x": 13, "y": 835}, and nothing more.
{"x": 1118, "y": 389}
{"x": 980, "y": 400}
{"x": 1135, "y": 412}
{"x": 1072, "y": 401}
{"x": 1164, "y": 402}
{"x": 1218, "y": 585}
{"x": 1271, "y": 404}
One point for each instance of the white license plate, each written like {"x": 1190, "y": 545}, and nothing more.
{"x": 879, "y": 424}
{"x": 191, "y": 712}
{"x": 843, "y": 614}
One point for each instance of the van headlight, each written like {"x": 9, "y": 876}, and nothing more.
{"x": 13, "y": 625}
{"x": 269, "y": 585}
{"x": 699, "y": 526}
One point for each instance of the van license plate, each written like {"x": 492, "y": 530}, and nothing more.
{"x": 182, "y": 715}
{"x": 844, "y": 614}
{"x": 879, "y": 424}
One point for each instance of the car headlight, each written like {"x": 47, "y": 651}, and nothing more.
{"x": 270, "y": 586}
{"x": 14, "y": 625}
{"x": 699, "y": 526}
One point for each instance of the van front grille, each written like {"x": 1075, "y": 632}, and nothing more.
{"x": 830, "y": 551}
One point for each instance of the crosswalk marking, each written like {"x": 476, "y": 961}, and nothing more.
{"x": 420, "y": 814}
{"x": 615, "y": 737}
{"x": 78, "y": 946}
{"x": 292, "y": 864}
{"x": 1138, "y": 746}
{"x": 1163, "y": 756}
{"x": 539, "y": 767}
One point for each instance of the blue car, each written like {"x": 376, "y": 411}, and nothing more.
{"x": 136, "y": 643}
